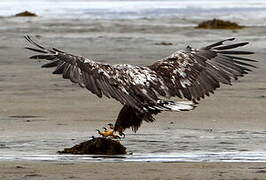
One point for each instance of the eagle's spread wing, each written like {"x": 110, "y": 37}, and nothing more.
{"x": 190, "y": 74}
{"x": 194, "y": 73}
{"x": 125, "y": 83}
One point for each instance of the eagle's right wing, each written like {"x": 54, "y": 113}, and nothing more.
{"x": 130, "y": 85}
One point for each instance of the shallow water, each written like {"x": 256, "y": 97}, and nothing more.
{"x": 165, "y": 145}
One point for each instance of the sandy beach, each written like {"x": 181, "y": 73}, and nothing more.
{"x": 42, "y": 113}
{"x": 131, "y": 171}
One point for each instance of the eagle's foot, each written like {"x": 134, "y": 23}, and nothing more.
{"x": 108, "y": 133}
{"x": 120, "y": 130}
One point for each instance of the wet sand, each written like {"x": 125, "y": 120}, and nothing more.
{"x": 131, "y": 171}
{"x": 41, "y": 113}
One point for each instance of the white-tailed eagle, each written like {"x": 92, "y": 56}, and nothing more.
{"x": 144, "y": 91}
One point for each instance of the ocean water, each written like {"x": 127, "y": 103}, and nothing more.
{"x": 171, "y": 145}
{"x": 251, "y": 12}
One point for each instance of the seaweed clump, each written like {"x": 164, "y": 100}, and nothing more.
{"x": 26, "y": 13}
{"x": 219, "y": 24}
{"x": 103, "y": 146}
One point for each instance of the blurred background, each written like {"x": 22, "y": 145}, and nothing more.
{"x": 248, "y": 12}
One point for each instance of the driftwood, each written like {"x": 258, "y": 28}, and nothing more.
{"x": 103, "y": 146}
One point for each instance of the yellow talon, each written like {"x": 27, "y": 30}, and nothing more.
{"x": 108, "y": 133}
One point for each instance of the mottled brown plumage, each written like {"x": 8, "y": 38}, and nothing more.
{"x": 190, "y": 73}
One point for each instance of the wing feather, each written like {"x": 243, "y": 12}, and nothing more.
{"x": 194, "y": 73}
{"x": 60, "y": 68}
{"x": 218, "y": 43}
{"x": 231, "y": 46}
{"x": 101, "y": 79}
{"x": 190, "y": 73}
{"x": 51, "y": 64}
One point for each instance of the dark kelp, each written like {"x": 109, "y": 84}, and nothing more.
{"x": 219, "y": 24}
{"x": 103, "y": 146}
{"x": 26, "y": 13}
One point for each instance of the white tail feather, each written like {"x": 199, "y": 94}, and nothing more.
{"x": 180, "y": 106}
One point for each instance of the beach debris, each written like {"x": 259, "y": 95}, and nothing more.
{"x": 20, "y": 167}
{"x": 24, "y": 116}
{"x": 262, "y": 96}
{"x": 38, "y": 36}
{"x": 97, "y": 145}
{"x": 219, "y": 24}
{"x": 29, "y": 176}
{"x": 261, "y": 171}
{"x": 164, "y": 43}
{"x": 3, "y": 146}
{"x": 26, "y": 13}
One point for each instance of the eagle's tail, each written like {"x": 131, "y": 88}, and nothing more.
{"x": 179, "y": 106}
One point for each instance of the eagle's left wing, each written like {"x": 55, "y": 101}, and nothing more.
{"x": 194, "y": 73}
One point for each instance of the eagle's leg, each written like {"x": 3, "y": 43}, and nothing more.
{"x": 130, "y": 117}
